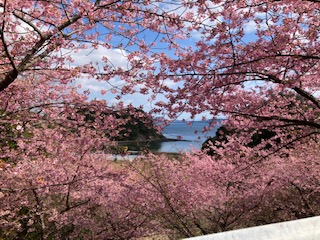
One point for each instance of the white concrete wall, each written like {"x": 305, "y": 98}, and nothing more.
{"x": 303, "y": 229}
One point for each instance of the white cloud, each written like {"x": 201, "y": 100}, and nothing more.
{"x": 169, "y": 83}
{"x": 126, "y": 102}
{"x": 250, "y": 27}
{"x": 116, "y": 57}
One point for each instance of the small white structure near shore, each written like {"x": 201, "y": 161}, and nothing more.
{"x": 303, "y": 229}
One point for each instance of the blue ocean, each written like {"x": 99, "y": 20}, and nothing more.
{"x": 192, "y": 136}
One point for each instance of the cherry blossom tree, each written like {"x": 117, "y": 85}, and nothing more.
{"x": 254, "y": 62}
{"x": 257, "y": 64}
{"x": 198, "y": 194}
{"x": 51, "y": 161}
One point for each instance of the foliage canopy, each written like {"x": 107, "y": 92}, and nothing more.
{"x": 255, "y": 62}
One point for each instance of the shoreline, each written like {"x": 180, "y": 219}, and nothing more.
{"x": 154, "y": 140}
{"x": 132, "y": 155}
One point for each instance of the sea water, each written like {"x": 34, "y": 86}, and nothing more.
{"x": 191, "y": 135}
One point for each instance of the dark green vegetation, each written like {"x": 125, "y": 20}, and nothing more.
{"x": 133, "y": 125}
{"x": 135, "y": 131}
{"x": 138, "y": 128}
{"x": 223, "y": 133}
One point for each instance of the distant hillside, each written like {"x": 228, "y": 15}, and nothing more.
{"x": 139, "y": 129}
{"x": 136, "y": 128}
